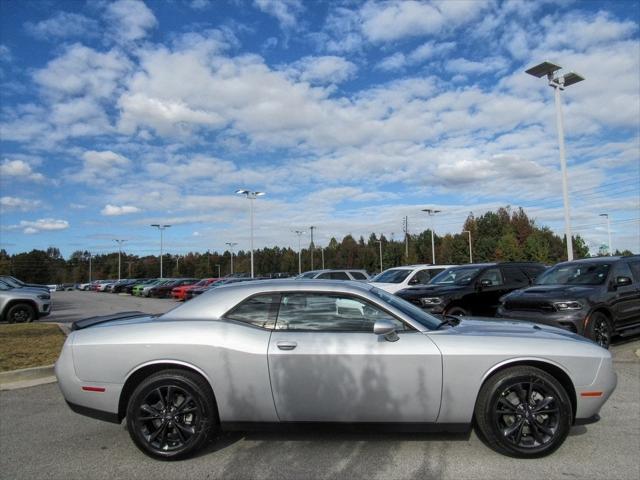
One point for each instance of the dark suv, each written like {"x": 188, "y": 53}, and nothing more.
{"x": 473, "y": 289}
{"x": 595, "y": 297}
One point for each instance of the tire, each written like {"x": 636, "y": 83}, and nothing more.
{"x": 21, "y": 313}
{"x": 457, "y": 311}
{"x": 163, "y": 432}
{"x": 523, "y": 412}
{"x": 599, "y": 329}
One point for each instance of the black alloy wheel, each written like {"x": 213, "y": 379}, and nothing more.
{"x": 171, "y": 414}
{"x": 523, "y": 412}
{"x": 457, "y": 311}
{"x": 21, "y": 313}
{"x": 599, "y": 330}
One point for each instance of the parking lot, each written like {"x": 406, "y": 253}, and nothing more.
{"x": 41, "y": 438}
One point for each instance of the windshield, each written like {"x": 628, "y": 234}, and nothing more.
{"x": 575, "y": 274}
{"x": 395, "y": 275}
{"x": 11, "y": 281}
{"x": 455, "y": 276}
{"x": 408, "y": 309}
{"x": 307, "y": 275}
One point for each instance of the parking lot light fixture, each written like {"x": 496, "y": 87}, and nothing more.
{"x": 470, "y": 254}
{"x": 559, "y": 83}
{"x": 119, "y": 242}
{"x": 299, "y": 233}
{"x": 431, "y": 212}
{"x": 379, "y": 242}
{"x": 162, "y": 229}
{"x": 231, "y": 245}
{"x": 251, "y": 196}
{"x": 608, "y": 231}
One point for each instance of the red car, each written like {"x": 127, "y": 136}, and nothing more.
{"x": 179, "y": 293}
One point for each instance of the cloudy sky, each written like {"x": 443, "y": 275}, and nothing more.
{"x": 350, "y": 115}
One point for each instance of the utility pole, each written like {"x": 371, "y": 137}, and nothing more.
{"x": 405, "y": 229}
{"x": 177, "y": 265}
{"x": 311, "y": 247}
{"x": 218, "y": 265}
{"x": 322, "y": 252}
{"x": 299, "y": 234}
{"x": 129, "y": 263}
{"x": 470, "y": 254}
{"x": 431, "y": 212}
{"x": 606, "y": 215}
{"x": 231, "y": 245}
{"x": 119, "y": 242}
{"x": 380, "y": 244}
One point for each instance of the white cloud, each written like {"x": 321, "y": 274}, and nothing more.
{"x": 63, "y": 25}
{"x": 43, "y": 224}
{"x": 5, "y": 54}
{"x": 284, "y": 10}
{"x": 130, "y": 20}
{"x": 14, "y": 203}
{"x": 428, "y": 50}
{"x": 487, "y": 65}
{"x": 323, "y": 70}
{"x": 100, "y": 166}
{"x": 114, "y": 210}
{"x": 20, "y": 170}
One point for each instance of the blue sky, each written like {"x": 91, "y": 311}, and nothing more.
{"x": 350, "y": 115}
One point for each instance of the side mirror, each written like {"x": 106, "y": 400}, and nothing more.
{"x": 485, "y": 282}
{"x": 386, "y": 328}
{"x": 413, "y": 281}
{"x": 623, "y": 281}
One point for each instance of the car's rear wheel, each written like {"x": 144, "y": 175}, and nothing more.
{"x": 523, "y": 412}
{"x": 457, "y": 311}
{"x": 171, "y": 414}
{"x": 599, "y": 329}
{"x": 21, "y": 313}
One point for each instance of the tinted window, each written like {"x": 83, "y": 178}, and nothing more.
{"x": 622, "y": 270}
{"x": 493, "y": 275}
{"x": 339, "y": 276}
{"x": 456, "y": 276}
{"x": 635, "y": 268}
{"x": 417, "y": 314}
{"x": 533, "y": 271}
{"x": 358, "y": 275}
{"x": 392, "y": 276}
{"x": 259, "y": 311}
{"x": 424, "y": 276}
{"x": 329, "y": 313}
{"x": 575, "y": 274}
{"x": 515, "y": 276}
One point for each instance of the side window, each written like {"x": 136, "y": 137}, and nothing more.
{"x": 339, "y": 276}
{"x": 259, "y": 311}
{"x": 329, "y": 313}
{"x": 493, "y": 275}
{"x": 515, "y": 276}
{"x": 533, "y": 272}
{"x": 635, "y": 268}
{"x": 324, "y": 276}
{"x": 358, "y": 275}
{"x": 622, "y": 270}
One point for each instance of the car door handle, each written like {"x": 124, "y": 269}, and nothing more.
{"x": 286, "y": 345}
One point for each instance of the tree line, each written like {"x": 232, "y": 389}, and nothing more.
{"x": 504, "y": 235}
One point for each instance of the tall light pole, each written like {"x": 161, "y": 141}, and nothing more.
{"x": 312, "y": 246}
{"x": 88, "y": 255}
{"x": 322, "y": 253}
{"x": 251, "y": 196}
{"x": 379, "y": 242}
{"x": 162, "y": 229}
{"x": 431, "y": 212}
{"x": 231, "y": 245}
{"x": 405, "y": 229}
{"x": 470, "y": 254}
{"x": 608, "y": 231}
{"x": 119, "y": 242}
{"x": 559, "y": 83}
{"x": 218, "y": 265}
{"x": 299, "y": 233}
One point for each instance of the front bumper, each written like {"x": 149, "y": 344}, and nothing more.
{"x": 572, "y": 321}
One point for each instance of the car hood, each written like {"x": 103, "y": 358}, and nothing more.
{"x": 432, "y": 290}
{"x": 554, "y": 291}
{"x": 483, "y": 327}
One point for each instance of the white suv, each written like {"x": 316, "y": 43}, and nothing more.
{"x": 346, "y": 274}
{"x": 395, "y": 279}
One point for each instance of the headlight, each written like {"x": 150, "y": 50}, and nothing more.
{"x": 567, "y": 305}
{"x": 431, "y": 300}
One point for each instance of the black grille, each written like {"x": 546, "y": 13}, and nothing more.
{"x": 529, "y": 306}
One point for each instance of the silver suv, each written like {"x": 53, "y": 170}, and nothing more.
{"x": 23, "y": 304}
{"x": 346, "y": 274}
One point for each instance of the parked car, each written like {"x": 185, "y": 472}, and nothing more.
{"x": 16, "y": 283}
{"x": 142, "y": 289}
{"x": 23, "y": 304}
{"x": 594, "y": 297}
{"x": 120, "y": 286}
{"x": 98, "y": 285}
{"x": 333, "y": 274}
{"x": 65, "y": 287}
{"x": 84, "y": 286}
{"x": 180, "y": 293}
{"x": 194, "y": 292}
{"x": 136, "y": 287}
{"x": 398, "y": 278}
{"x": 273, "y": 344}
{"x": 473, "y": 289}
{"x": 164, "y": 290}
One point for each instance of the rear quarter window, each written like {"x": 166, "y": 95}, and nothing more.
{"x": 259, "y": 311}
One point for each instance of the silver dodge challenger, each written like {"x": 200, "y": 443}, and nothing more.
{"x": 291, "y": 352}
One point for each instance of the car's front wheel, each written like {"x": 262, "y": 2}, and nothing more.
{"x": 171, "y": 414}
{"x": 21, "y": 313}
{"x": 523, "y": 412}
{"x": 599, "y": 329}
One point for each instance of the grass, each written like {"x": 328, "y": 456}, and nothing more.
{"x": 27, "y": 345}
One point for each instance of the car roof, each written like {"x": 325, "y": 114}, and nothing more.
{"x": 607, "y": 259}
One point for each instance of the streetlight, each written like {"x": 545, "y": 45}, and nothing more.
{"x": 218, "y": 265}
{"x": 431, "y": 212}
{"x": 312, "y": 246}
{"x": 299, "y": 233}
{"x": 119, "y": 242}
{"x": 559, "y": 83}
{"x": 88, "y": 255}
{"x": 608, "y": 231}
{"x": 470, "y": 254}
{"x": 161, "y": 228}
{"x": 231, "y": 245}
{"x": 251, "y": 196}
{"x": 379, "y": 242}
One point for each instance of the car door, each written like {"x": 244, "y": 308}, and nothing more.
{"x": 327, "y": 365}
{"x": 625, "y": 301}
{"x": 485, "y": 299}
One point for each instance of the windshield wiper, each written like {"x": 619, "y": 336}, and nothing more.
{"x": 449, "y": 320}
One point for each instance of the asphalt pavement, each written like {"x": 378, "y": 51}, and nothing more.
{"x": 41, "y": 438}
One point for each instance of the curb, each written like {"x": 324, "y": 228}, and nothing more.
{"x": 27, "y": 383}
{"x": 25, "y": 375}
